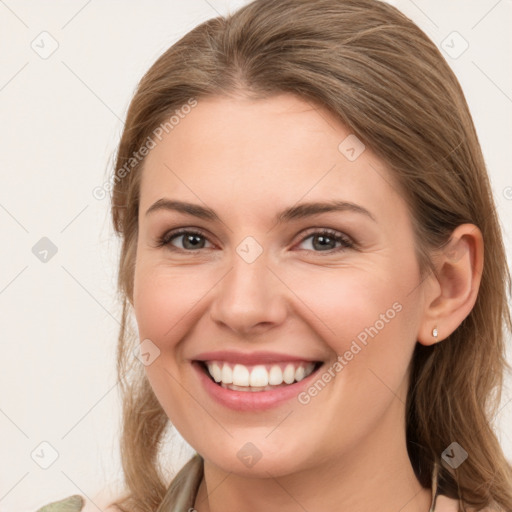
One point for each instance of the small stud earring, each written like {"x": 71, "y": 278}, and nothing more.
{"x": 435, "y": 333}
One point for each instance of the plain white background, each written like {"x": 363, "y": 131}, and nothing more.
{"x": 61, "y": 118}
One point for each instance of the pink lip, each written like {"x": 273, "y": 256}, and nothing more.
{"x": 249, "y": 400}
{"x": 250, "y": 359}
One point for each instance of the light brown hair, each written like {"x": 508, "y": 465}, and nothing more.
{"x": 389, "y": 84}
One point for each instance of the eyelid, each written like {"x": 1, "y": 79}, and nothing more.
{"x": 324, "y": 229}
{"x": 168, "y": 236}
{"x": 349, "y": 243}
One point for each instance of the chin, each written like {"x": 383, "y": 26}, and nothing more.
{"x": 259, "y": 460}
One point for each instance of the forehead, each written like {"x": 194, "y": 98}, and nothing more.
{"x": 264, "y": 152}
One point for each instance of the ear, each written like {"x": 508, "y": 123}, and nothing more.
{"x": 450, "y": 293}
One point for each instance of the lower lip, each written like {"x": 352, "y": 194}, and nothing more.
{"x": 252, "y": 400}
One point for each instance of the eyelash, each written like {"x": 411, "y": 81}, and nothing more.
{"x": 165, "y": 240}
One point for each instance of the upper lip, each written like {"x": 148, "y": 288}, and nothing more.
{"x": 250, "y": 358}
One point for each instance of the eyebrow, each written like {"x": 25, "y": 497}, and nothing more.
{"x": 295, "y": 212}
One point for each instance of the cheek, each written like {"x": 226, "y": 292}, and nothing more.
{"x": 367, "y": 319}
{"x": 163, "y": 297}
{"x": 346, "y": 301}
{"x": 368, "y": 314}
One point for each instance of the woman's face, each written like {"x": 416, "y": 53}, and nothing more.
{"x": 260, "y": 288}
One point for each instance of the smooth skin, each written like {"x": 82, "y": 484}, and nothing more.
{"x": 248, "y": 161}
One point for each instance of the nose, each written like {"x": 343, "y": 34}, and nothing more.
{"x": 250, "y": 299}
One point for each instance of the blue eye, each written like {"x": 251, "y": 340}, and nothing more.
{"x": 323, "y": 240}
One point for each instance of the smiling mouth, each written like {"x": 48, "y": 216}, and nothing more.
{"x": 260, "y": 377}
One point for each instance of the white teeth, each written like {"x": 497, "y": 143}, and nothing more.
{"x": 226, "y": 375}
{"x": 299, "y": 373}
{"x": 257, "y": 378}
{"x": 240, "y": 375}
{"x": 275, "y": 377}
{"x": 216, "y": 372}
{"x": 289, "y": 374}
